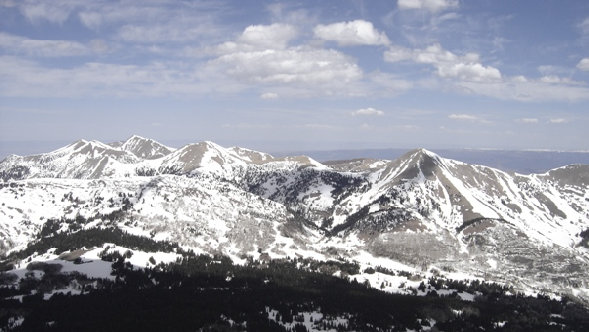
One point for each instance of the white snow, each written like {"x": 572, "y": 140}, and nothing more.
{"x": 492, "y": 263}
{"x": 469, "y": 194}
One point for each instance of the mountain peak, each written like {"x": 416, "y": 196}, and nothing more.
{"x": 302, "y": 160}
{"x": 211, "y": 144}
{"x": 145, "y": 148}
{"x": 137, "y": 137}
{"x": 424, "y": 152}
{"x": 84, "y": 147}
{"x": 421, "y": 155}
{"x": 251, "y": 156}
{"x": 419, "y": 161}
{"x": 205, "y": 154}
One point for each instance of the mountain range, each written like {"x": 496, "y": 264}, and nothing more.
{"x": 520, "y": 161}
{"x": 420, "y": 212}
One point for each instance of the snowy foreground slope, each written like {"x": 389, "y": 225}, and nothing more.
{"x": 420, "y": 212}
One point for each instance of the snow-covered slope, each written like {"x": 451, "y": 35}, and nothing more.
{"x": 420, "y": 210}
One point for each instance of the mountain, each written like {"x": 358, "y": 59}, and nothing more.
{"x": 520, "y": 161}
{"x": 81, "y": 159}
{"x": 135, "y": 156}
{"x": 251, "y": 156}
{"x": 206, "y": 155}
{"x": 420, "y": 213}
{"x": 144, "y": 148}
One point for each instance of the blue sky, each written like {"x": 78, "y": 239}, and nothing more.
{"x": 301, "y": 75}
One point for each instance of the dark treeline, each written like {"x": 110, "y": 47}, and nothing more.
{"x": 88, "y": 238}
{"x": 76, "y": 237}
{"x": 209, "y": 293}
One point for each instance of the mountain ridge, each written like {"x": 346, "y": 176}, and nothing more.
{"x": 520, "y": 161}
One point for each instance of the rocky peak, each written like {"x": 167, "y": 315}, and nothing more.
{"x": 145, "y": 148}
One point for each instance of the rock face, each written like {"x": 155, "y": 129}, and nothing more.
{"x": 421, "y": 210}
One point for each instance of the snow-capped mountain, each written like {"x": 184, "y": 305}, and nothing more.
{"x": 420, "y": 211}
{"x": 206, "y": 155}
{"x": 81, "y": 159}
{"x": 144, "y": 148}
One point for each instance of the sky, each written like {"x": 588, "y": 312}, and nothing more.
{"x": 296, "y": 75}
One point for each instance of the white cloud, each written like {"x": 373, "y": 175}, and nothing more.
{"x": 469, "y": 72}
{"x": 390, "y": 84}
{"x": 472, "y": 77}
{"x": 22, "y": 78}
{"x": 584, "y": 26}
{"x": 292, "y": 13}
{"x": 358, "y": 32}
{"x": 447, "y": 64}
{"x": 269, "y": 95}
{"x": 554, "y": 79}
{"x": 268, "y": 36}
{"x": 430, "y": 5}
{"x": 528, "y": 120}
{"x": 294, "y": 65}
{"x": 7, "y": 3}
{"x": 51, "y": 11}
{"x": 397, "y": 53}
{"x": 318, "y": 126}
{"x": 259, "y": 38}
{"x": 583, "y": 64}
{"x": 151, "y": 21}
{"x": 262, "y": 55}
{"x": 92, "y": 20}
{"x": 466, "y": 117}
{"x": 529, "y": 90}
{"x": 437, "y": 21}
{"x": 367, "y": 111}
{"x": 407, "y": 127}
{"x": 260, "y": 60}
{"x": 554, "y": 70}
{"x": 135, "y": 21}
{"x": 97, "y": 14}
{"x": 161, "y": 33}
{"x": 42, "y": 48}
{"x": 466, "y": 68}
{"x": 558, "y": 120}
